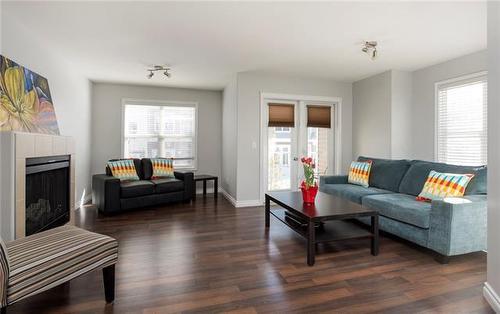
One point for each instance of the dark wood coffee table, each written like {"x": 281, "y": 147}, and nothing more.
{"x": 324, "y": 221}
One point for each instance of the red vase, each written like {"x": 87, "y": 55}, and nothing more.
{"x": 309, "y": 194}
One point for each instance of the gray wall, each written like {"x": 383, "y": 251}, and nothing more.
{"x": 250, "y": 84}
{"x": 107, "y": 121}
{"x": 401, "y": 119}
{"x": 371, "y": 116}
{"x": 229, "y": 137}
{"x": 70, "y": 91}
{"x": 423, "y": 107}
{"x": 494, "y": 149}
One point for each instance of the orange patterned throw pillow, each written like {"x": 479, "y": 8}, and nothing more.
{"x": 359, "y": 173}
{"x": 162, "y": 168}
{"x": 123, "y": 170}
{"x": 440, "y": 185}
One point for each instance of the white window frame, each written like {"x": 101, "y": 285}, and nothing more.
{"x": 437, "y": 86}
{"x": 163, "y": 103}
{"x": 281, "y": 131}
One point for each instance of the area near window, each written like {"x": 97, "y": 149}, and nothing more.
{"x": 160, "y": 129}
{"x": 461, "y": 120}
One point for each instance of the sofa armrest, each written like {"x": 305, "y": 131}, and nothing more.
{"x": 106, "y": 193}
{"x": 458, "y": 228}
{"x": 332, "y": 180}
{"x": 188, "y": 178}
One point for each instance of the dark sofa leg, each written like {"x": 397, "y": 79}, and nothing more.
{"x": 108, "y": 275}
{"x": 442, "y": 259}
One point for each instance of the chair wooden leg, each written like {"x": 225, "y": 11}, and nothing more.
{"x": 3, "y": 310}
{"x": 108, "y": 275}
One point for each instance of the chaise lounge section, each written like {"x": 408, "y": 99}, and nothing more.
{"x": 448, "y": 227}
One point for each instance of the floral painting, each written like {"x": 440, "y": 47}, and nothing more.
{"x": 25, "y": 100}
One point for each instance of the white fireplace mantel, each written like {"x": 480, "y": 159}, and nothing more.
{"x": 15, "y": 147}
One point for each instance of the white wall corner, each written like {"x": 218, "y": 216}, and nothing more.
{"x": 492, "y": 297}
{"x": 228, "y": 196}
{"x": 239, "y": 204}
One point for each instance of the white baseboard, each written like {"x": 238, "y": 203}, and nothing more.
{"x": 228, "y": 197}
{"x": 249, "y": 203}
{"x": 492, "y": 297}
{"x": 236, "y": 203}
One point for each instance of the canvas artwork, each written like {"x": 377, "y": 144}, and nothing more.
{"x": 25, "y": 100}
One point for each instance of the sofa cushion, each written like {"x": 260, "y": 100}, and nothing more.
{"x": 136, "y": 188}
{"x": 168, "y": 185}
{"x": 415, "y": 177}
{"x": 351, "y": 192}
{"x": 359, "y": 173}
{"x": 401, "y": 207}
{"x": 385, "y": 173}
{"x": 137, "y": 164}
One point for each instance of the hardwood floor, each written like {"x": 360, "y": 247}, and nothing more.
{"x": 209, "y": 257}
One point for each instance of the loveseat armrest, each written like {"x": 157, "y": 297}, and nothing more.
{"x": 332, "y": 180}
{"x": 458, "y": 226}
{"x": 106, "y": 193}
{"x": 188, "y": 178}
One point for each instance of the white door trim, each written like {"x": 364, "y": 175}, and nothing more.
{"x": 337, "y": 101}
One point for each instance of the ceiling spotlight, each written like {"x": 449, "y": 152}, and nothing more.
{"x": 370, "y": 48}
{"x": 153, "y": 69}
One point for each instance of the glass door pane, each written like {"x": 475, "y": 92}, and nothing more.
{"x": 318, "y": 148}
{"x": 279, "y": 158}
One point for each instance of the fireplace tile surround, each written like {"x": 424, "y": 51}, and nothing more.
{"x": 16, "y": 147}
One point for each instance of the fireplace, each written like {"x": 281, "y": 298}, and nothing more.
{"x": 47, "y": 193}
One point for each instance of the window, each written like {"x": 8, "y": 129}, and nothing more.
{"x": 160, "y": 130}
{"x": 461, "y": 125}
{"x": 282, "y": 130}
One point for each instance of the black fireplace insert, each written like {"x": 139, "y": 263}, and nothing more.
{"x": 47, "y": 193}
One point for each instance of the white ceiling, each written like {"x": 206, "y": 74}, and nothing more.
{"x": 206, "y": 43}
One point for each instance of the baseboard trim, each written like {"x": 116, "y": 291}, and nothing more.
{"x": 235, "y": 203}
{"x": 249, "y": 203}
{"x": 228, "y": 197}
{"x": 492, "y": 297}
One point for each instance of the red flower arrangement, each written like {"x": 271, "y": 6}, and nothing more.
{"x": 309, "y": 185}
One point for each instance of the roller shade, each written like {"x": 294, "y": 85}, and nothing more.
{"x": 462, "y": 122}
{"x": 281, "y": 115}
{"x": 319, "y": 116}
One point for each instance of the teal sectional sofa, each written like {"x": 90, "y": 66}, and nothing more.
{"x": 448, "y": 227}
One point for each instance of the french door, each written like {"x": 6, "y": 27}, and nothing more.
{"x": 295, "y": 129}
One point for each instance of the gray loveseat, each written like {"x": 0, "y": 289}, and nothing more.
{"x": 445, "y": 227}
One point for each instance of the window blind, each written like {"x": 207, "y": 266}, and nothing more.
{"x": 318, "y": 116}
{"x": 462, "y": 122}
{"x": 281, "y": 115}
{"x": 160, "y": 131}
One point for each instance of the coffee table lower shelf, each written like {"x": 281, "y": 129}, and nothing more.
{"x": 328, "y": 231}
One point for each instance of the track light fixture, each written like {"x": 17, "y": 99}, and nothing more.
{"x": 370, "y": 48}
{"x": 155, "y": 68}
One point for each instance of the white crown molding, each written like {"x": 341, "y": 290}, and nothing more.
{"x": 492, "y": 297}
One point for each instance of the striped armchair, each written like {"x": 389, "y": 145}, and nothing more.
{"x": 47, "y": 259}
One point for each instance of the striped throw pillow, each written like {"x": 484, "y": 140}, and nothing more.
{"x": 440, "y": 185}
{"x": 4, "y": 273}
{"x": 162, "y": 168}
{"x": 359, "y": 173}
{"x": 123, "y": 170}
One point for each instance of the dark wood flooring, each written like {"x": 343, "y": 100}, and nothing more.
{"x": 210, "y": 257}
